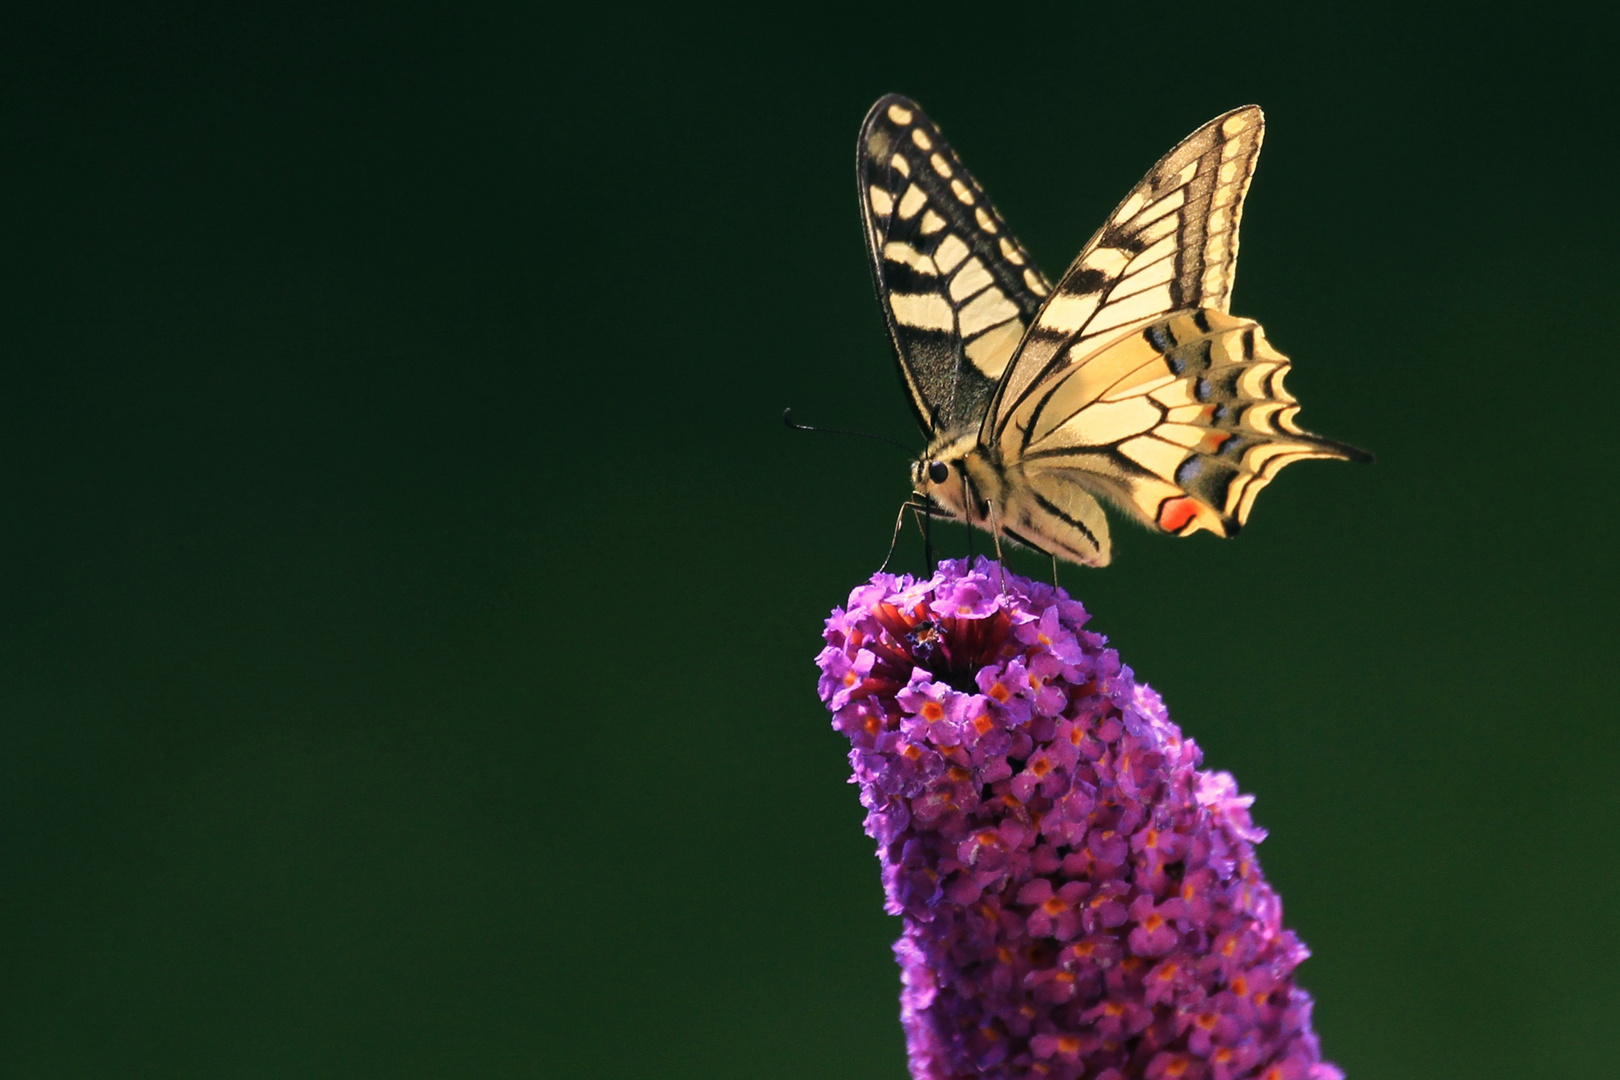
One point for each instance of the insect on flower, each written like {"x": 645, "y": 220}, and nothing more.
{"x": 1129, "y": 383}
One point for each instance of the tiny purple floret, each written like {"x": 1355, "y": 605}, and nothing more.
{"x": 1080, "y": 901}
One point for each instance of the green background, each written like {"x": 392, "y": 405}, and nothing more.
{"x": 408, "y": 591}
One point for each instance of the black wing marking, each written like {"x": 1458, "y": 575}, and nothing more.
{"x": 957, "y": 290}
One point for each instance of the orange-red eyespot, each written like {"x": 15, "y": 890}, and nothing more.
{"x": 1174, "y": 514}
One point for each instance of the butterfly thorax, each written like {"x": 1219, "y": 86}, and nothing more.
{"x": 963, "y": 478}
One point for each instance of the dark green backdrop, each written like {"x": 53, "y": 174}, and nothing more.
{"x": 409, "y": 591}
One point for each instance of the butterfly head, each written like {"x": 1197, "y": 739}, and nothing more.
{"x": 951, "y": 475}
{"x": 926, "y": 471}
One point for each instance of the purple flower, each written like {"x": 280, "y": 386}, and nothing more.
{"x": 1080, "y": 901}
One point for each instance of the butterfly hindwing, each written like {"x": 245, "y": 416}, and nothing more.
{"x": 1170, "y": 246}
{"x": 1180, "y": 423}
{"x": 1054, "y": 511}
{"x": 957, "y": 289}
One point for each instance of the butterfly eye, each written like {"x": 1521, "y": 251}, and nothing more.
{"x": 938, "y": 471}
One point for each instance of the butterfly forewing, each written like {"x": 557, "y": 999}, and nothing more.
{"x": 1170, "y": 246}
{"x": 957, "y": 289}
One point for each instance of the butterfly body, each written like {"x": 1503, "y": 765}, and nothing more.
{"x": 1128, "y": 383}
{"x": 982, "y": 491}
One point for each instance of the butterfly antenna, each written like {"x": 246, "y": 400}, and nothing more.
{"x": 787, "y": 418}
{"x": 995, "y": 534}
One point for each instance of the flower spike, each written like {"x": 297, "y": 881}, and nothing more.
{"x": 1080, "y": 901}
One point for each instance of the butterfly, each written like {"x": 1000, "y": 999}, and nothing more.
{"x": 1129, "y": 383}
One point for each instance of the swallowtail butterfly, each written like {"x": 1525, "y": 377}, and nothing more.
{"x": 1128, "y": 383}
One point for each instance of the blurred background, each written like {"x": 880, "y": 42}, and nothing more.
{"x": 408, "y": 590}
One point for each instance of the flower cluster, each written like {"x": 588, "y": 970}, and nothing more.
{"x": 1079, "y": 900}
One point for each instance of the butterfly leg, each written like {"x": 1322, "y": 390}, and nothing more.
{"x": 995, "y": 535}
{"x": 1054, "y": 570}
{"x": 969, "y": 519}
{"x": 899, "y": 520}
{"x": 921, "y": 511}
{"x": 925, "y": 517}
